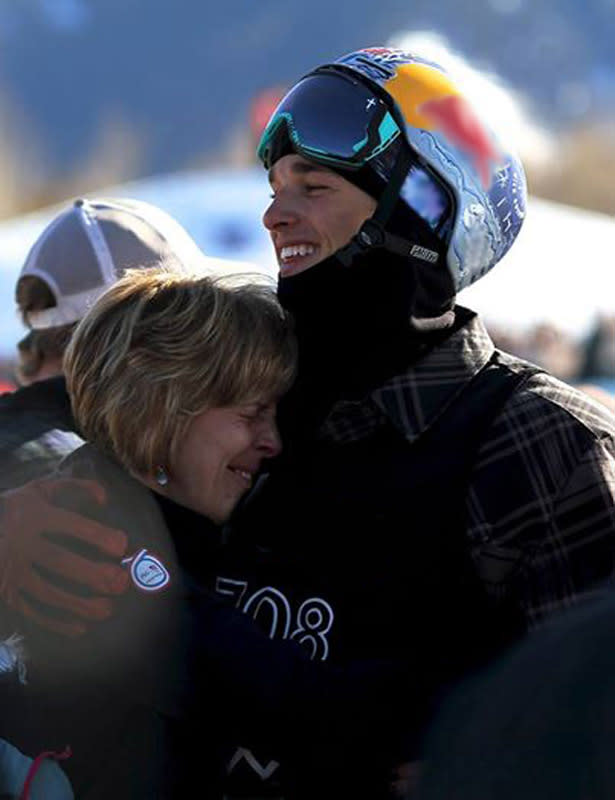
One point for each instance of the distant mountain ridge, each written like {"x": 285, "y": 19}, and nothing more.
{"x": 181, "y": 73}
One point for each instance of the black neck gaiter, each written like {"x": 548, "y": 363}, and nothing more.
{"x": 353, "y": 332}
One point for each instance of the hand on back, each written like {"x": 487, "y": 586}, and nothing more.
{"x": 35, "y": 535}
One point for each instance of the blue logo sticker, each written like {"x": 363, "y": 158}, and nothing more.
{"x": 147, "y": 572}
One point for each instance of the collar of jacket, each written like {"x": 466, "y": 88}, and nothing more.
{"x": 414, "y": 400}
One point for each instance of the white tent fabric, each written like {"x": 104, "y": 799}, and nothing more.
{"x": 560, "y": 270}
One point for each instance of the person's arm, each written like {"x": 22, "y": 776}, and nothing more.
{"x": 343, "y": 723}
{"x": 265, "y": 692}
{"x": 29, "y": 516}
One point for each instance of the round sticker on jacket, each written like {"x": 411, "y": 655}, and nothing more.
{"x": 147, "y": 572}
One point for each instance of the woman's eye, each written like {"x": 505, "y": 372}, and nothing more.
{"x": 315, "y": 188}
{"x": 250, "y": 415}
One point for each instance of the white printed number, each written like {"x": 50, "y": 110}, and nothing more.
{"x": 312, "y": 623}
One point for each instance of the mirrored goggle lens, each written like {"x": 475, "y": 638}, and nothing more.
{"x": 330, "y": 118}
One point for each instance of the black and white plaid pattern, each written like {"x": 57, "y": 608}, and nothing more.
{"x": 541, "y": 501}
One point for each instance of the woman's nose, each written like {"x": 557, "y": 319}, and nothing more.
{"x": 269, "y": 440}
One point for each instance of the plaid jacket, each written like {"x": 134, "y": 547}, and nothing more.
{"x": 541, "y": 499}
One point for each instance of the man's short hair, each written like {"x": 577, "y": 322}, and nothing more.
{"x": 38, "y": 346}
{"x": 160, "y": 347}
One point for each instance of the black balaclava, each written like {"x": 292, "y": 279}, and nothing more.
{"x": 353, "y": 323}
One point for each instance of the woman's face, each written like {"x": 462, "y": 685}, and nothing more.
{"x": 220, "y": 456}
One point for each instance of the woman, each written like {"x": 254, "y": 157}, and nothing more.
{"x": 194, "y": 367}
{"x": 174, "y": 380}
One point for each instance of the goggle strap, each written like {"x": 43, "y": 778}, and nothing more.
{"x": 390, "y": 196}
{"x": 372, "y": 235}
{"x": 412, "y": 250}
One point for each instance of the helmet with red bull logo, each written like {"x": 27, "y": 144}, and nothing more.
{"x": 395, "y": 116}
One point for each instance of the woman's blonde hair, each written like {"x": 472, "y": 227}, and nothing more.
{"x": 160, "y": 347}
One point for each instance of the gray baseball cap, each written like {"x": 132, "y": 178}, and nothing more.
{"x": 86, "y": 248}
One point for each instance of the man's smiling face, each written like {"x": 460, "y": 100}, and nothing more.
{"x": 313, "y": 213}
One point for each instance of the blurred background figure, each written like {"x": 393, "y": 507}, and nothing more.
{"x": 552, "y": 349}
{"x": 597, "y": 368}
{"x": 83, "y": 251}
{"x": 587, "y": 362}
{"x": 541, "y": 724}
{"x": 599, "y": 356}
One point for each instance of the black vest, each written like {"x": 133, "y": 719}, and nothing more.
{"x": 377, "y": 528}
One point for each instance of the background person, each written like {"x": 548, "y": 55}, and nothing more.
{"x": 82, "y": 252}
{"x": 539, "y": 723}
{"x": 599, "y": 355}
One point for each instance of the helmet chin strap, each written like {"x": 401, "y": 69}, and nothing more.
{"x": 372, "y": 233}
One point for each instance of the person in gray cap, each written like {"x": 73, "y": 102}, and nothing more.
{"x": 83, "y": 251}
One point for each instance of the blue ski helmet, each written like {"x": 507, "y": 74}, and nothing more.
{"x": 462, "y": 178}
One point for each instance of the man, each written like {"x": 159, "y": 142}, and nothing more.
{"x": 436, "y": 498}
{"x": 82, "y": 252}
{"x": 437, "y": 200}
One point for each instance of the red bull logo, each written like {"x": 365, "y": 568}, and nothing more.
{"x": 458, "y": 122}
{"x": 429, "y": 100}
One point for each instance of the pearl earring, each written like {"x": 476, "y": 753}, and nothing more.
{"x": 161, "y": 476}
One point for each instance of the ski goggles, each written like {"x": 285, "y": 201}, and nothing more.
{"x": 332, "y": 118}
